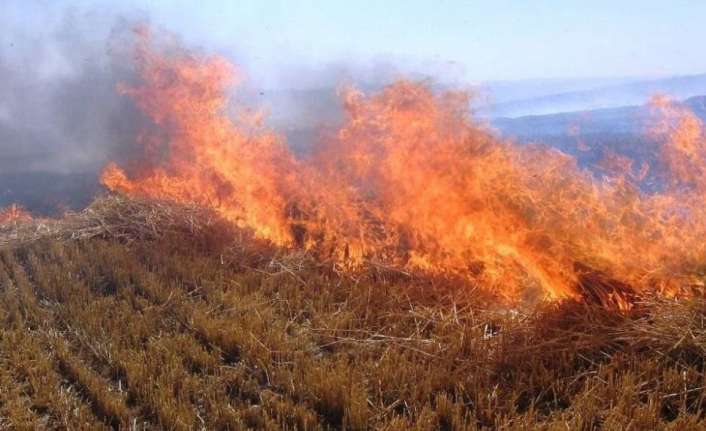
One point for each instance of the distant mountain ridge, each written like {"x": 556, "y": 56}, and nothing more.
{"x": 623, "y": 119}
{"x": 609, "y": 96}
{"x": 590, "y": 135}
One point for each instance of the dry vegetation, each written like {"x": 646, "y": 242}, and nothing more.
{"x": 146, "y": 316}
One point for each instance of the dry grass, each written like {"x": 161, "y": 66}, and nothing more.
{"x": 138, "y": 315}
{"x": 116, "y": 217}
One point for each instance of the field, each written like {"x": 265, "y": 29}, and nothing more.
{"x": 193, "y": 329}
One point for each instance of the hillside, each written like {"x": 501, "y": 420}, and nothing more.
{"x": 589, "y": 135}
{"x": 144, "y": 324}
{"x": 624, "y": 119}
{"x": 601, "y": 96}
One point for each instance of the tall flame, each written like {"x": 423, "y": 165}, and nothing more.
{"x": 239, "y": 170}
{"x": 410, "y": 179}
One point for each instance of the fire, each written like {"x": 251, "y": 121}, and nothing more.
{"x": 13, "y": 214}
{"x": 239, "y": 170}
{"x": 411, "y": 179}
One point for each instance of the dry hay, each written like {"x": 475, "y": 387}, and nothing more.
{"x": 125, "y": 219}
{"x": 112, "y": 216}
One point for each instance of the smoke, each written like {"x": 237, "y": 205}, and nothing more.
{"x": 62, "y": 118}
{"x": 59, "y": 110}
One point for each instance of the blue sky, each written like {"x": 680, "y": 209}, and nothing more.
{"x": 469, "y": 40}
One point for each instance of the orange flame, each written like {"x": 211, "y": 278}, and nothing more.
{"x": 210, "y": 161}
{"x": 410, "y": 179}
{"x": 13, "y": 214}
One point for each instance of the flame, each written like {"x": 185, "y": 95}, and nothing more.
{"x": 14, "y": 213}
{"x": 237, "y": 169}
{"x": 412, "y": 180}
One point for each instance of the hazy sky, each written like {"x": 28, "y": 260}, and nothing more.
{"x": 479, "y": 40}
{"x": 60, "y": 60}
{"x": 475, "y": 40}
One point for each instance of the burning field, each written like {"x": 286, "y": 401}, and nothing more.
{"x": 410, "y": 180}
{"x": 414, "y": 270}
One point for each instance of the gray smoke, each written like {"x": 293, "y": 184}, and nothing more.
{"x": 59, "y": 109}
{"x": 62, "y": 120}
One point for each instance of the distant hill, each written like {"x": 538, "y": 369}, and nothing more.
{"x": 625, "y": 119}
{"x": 493, "y": 93}
{"x": 603, "y": 96}
{"x": 590, "y": 134}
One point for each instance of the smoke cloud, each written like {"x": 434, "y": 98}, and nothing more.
{"x": 59, "y": 110}
{"x": 62, "y": 118}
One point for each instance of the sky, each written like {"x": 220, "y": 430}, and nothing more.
{"x": 468, "y": 40}
{"x": 60, "y": 60}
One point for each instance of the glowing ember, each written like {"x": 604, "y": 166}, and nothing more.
{"x": 411, "y": 180}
